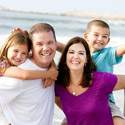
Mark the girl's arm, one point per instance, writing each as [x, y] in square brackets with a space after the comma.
[19, 73]
[120, 83]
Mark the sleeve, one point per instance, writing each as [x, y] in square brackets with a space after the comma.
[10, 88]
[112, 56]
[58, 90]
[110, 81]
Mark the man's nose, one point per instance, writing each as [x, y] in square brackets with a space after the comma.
[45, 47]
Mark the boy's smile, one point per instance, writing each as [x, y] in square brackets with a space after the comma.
[97, 38]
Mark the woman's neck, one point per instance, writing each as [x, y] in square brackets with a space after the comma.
[75, 77]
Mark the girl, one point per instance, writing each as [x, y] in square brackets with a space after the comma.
[14, 52]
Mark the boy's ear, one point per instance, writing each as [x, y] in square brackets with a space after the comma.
[86, 37]
[108, 40]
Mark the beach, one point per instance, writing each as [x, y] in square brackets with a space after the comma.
[66, 26]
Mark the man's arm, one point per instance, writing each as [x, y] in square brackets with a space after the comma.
[120, 50]
[60, 47]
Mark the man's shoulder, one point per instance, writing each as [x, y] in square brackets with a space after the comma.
[26, 65]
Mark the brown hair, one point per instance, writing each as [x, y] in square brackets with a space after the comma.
[15, 38]
[100, 23]
[64, 77]
[41, 27]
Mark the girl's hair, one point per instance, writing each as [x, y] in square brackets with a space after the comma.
[15, 38]
[64, 76]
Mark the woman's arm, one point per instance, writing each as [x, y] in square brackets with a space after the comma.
[58, 102]
[120, 83]
[19, 73]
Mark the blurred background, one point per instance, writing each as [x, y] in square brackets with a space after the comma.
[69, 18]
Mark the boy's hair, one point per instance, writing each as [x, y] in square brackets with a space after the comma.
[15, 38]
[40, 27]
[64, 75]
[100, 23]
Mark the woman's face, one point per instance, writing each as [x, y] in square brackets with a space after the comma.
[76, 57]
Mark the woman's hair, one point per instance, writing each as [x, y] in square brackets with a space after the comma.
[64, 76]
[15, 38]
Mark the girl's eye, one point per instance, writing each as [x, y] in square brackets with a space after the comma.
[95, 35]
[70, 52]
[16, 51]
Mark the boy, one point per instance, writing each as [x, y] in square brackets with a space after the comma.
[98, 36]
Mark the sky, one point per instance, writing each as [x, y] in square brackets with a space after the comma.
[64, 6]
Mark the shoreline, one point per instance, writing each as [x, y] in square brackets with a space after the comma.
[73, 14]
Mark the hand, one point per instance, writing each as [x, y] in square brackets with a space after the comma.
[53, 73]
[48, 82]
[23, 31]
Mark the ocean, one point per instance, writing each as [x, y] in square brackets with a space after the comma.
[65, 27]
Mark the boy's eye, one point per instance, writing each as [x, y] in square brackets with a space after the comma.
[105, 36]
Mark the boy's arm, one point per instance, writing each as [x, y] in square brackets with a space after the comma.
[120, 50]
[19, 73]
[60, 47]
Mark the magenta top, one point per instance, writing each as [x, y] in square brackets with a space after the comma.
[91, 107]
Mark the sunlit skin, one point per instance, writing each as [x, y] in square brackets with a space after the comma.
[97, 38]
[43, 49]
[76, 57]
[17, 54]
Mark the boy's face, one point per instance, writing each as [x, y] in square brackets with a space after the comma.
[97, 38]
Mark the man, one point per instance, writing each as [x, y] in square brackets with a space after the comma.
[27, 102]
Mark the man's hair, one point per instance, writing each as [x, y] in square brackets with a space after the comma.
[40, 27]
[100, 23]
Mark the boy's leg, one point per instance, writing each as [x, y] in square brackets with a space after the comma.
[118, 117]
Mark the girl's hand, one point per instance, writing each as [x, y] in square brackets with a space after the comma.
[52, 73]
[48, 82]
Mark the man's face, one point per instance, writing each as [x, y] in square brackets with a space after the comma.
[44, 48]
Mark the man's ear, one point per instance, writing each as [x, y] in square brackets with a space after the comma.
[86, 37]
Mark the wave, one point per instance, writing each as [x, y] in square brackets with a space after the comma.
[72, 14]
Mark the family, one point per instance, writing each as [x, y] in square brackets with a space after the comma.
[84, 79]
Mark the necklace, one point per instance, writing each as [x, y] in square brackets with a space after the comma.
[74, 93]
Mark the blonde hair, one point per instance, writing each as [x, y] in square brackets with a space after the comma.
[15, 38]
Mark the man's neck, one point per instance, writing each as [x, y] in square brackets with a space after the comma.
[39, 65]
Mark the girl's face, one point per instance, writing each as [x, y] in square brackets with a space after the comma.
[76, 57]
[17, 54]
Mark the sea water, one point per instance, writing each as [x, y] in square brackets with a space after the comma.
[65, 28]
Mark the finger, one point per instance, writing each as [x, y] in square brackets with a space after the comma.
[46, 83]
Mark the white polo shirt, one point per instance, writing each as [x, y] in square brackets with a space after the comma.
[26, 102]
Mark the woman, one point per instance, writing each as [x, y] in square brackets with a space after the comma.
[80, 87]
